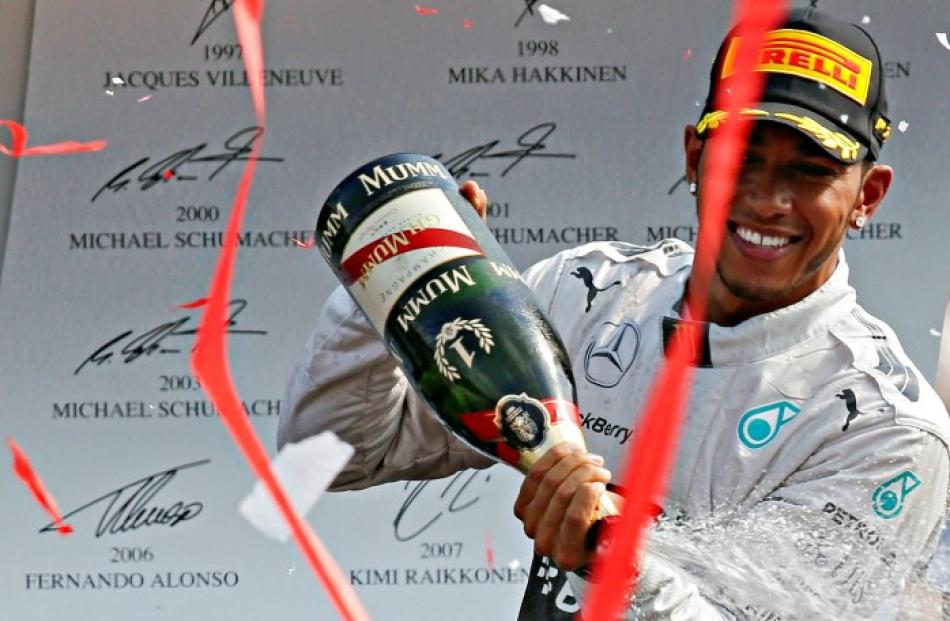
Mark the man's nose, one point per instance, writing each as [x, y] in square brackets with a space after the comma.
[767, 191]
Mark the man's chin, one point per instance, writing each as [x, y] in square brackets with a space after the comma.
[756, 293]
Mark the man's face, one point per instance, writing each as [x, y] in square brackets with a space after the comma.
[792, 206]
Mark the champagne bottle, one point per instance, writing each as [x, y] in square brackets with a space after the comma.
[451, 308]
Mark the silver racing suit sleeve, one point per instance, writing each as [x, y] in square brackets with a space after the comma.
[833, 542]
[348, 383]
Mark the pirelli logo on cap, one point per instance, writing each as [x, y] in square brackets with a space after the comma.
[812, 56]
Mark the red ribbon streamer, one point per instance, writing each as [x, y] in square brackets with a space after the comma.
[23, 469]
[247, 21]
[209, 358]
[194, 304]
[306, 246]
[20, 136]
[647, 465]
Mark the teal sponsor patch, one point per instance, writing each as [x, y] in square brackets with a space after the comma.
[888, 498]
[759, 426]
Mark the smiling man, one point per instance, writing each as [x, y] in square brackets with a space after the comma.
[793, 204]
[812, 472]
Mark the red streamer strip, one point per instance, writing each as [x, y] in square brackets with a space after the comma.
[247, 21]
[209, 358]
[194, 304]
[647, 465]
[20, 136]
[306, 246]
[421, 10]
[23, 469]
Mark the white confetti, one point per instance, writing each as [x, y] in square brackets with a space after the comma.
[146, 98]
[942, 37]
[291, 570]
[610, 31]
[844, 118]
[109, 93]
[515, 564]
[305, 470]
[902, 126]
[117, 80]
[866, 19]
[934, 332]
[551, 16]
[698, 104]
[822, 86]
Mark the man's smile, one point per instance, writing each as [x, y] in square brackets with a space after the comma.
[762, 243]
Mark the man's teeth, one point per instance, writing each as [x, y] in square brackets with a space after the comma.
[761, 240]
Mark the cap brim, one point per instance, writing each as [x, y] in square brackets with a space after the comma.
[840, 145]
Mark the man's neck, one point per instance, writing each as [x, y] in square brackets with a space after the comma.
[726, 309]
[723, 310]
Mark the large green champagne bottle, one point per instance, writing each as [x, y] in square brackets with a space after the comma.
[451, 308]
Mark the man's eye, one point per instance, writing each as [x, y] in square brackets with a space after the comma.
[814, 170]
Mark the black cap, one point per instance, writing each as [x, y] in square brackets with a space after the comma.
[824, 79]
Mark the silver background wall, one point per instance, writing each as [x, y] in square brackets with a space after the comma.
[16, 26]
[395, 80]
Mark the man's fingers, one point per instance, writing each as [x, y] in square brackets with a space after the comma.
[563, 504]
[477, 197]
[537, 473]
[541, 469]
[570, 551]
[545, 489]
[553, 484]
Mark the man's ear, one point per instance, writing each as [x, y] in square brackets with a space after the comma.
[874, 185]
[693, 148]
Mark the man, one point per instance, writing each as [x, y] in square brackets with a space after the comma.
[812, 470]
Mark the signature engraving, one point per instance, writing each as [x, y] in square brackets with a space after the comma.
[133, 505]
[236, 149]
[528, 10]
[531, 145]
[153, 341]
[676, 184]
[425, 504]
[216, 9]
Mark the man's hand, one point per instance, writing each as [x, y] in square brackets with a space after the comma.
[558, 503]
[477, 197]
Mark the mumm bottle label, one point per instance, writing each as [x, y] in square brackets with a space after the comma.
[401, 242]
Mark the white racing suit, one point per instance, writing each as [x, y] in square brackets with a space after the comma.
[812, 467]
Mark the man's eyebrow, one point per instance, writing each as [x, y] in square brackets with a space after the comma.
[805, 147]
[810, 148]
